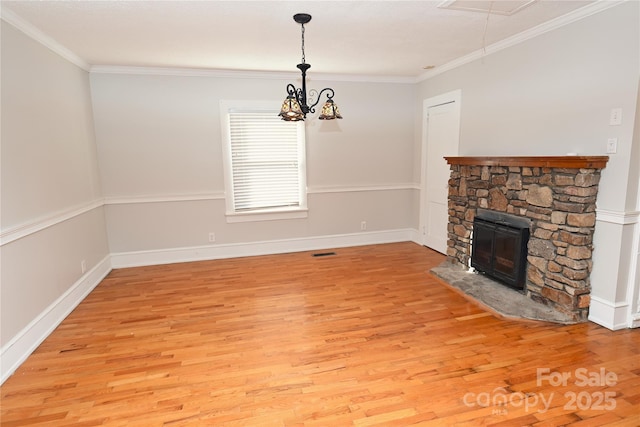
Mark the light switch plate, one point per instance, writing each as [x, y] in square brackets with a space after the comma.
[615, 118]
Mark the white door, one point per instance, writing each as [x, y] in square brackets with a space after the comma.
[441, 136]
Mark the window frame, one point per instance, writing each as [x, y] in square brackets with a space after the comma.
[262, 214]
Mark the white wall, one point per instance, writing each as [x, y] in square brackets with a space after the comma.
[552, 95]
[51, 212]
[160, 150]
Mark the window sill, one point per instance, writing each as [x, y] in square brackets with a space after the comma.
[267, 215]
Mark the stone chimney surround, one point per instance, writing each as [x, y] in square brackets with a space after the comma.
[558, 194]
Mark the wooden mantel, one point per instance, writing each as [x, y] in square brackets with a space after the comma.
[572, 162]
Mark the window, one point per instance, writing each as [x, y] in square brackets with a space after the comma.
[264, 163]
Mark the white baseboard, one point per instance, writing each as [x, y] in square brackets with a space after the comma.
[234, 250]
[16, 351]
[608, 314]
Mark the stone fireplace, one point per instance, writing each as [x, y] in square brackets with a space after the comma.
[557, 195]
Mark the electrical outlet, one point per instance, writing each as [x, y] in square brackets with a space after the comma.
[83, 266]
[212, 237]
[363, 225]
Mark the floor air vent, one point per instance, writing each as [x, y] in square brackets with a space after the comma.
[323, 254]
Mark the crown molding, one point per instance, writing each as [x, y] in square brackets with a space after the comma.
[31, 31]
[551, 25]
[191, 72]
[244, 74]
[362, 78]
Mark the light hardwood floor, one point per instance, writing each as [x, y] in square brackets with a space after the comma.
[364, 337]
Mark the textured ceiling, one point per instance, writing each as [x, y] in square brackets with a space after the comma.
[375, 38]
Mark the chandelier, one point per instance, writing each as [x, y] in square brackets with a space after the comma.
[295, 106]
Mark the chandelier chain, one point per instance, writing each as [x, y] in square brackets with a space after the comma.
[303, 57]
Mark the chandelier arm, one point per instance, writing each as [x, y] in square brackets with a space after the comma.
[312, 95]
[298, 95]
[330, 94]
[291, 90]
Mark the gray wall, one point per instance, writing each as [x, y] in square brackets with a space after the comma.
[52, 216]
[159, 139]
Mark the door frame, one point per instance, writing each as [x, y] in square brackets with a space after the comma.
[455, 97]
[633, 287]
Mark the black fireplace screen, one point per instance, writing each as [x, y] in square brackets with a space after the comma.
[500, 247]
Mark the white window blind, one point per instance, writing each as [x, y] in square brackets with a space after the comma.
[265, 162]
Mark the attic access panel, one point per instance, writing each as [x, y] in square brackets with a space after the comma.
[504, 7]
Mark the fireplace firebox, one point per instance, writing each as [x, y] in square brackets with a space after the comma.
[499, 247]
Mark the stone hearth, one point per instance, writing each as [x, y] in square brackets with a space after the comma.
[500, 299]
[558, 195]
